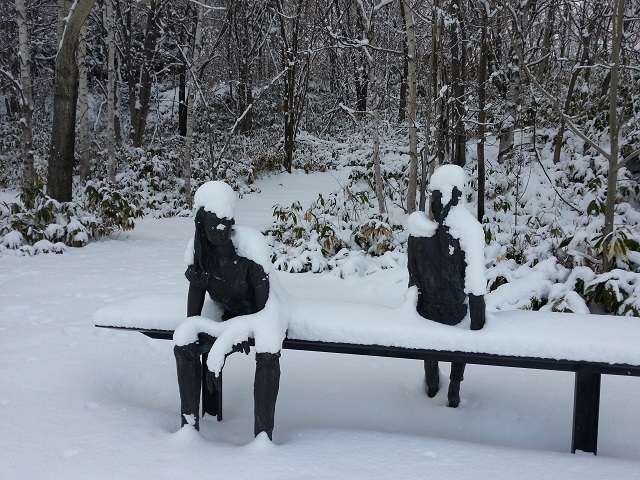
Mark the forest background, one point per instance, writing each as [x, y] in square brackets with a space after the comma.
[115, 109]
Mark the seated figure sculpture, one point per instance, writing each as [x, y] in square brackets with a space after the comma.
[446, 263]
[241, 287]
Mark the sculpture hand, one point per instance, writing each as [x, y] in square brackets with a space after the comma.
[214, 382]
[243, 346]
[477, 311]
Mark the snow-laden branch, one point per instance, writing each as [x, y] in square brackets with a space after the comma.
[207, 7]
[381, 5]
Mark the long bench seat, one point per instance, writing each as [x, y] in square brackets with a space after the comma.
[589, 345]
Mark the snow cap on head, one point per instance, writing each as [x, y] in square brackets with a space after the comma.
[216, 197]
[445, 178]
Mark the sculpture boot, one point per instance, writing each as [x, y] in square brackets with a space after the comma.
[189, 369]
[265, 392]
[432, 377]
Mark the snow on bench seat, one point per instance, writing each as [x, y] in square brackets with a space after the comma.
[589, 345]
[575, 337]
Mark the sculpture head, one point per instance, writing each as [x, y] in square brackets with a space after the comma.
[216, 230]
[214, 224]
[215, 202]
[446, 187]
[439, 210]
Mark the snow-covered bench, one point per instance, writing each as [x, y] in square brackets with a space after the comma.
[589, 345]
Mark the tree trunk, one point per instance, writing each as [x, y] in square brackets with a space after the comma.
[402, 103]
[26, 100]
[377, 171]
[191, 105]
[290, 64]
[141, 101]
[482, 112]
[83, 106]
[508, 127]
[546, 38]
[63, 10]
[111, 100]
[457, 68]
[61, 153]
[411, 113]
[436, 79]
[612, 179]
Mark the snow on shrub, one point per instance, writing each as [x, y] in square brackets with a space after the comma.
[40, 224]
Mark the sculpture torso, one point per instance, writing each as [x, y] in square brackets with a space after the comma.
[232, 283]
[437, 267]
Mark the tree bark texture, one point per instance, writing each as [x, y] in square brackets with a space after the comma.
[140, 87]
[62, 148]
[412, 106]
[111, 94]
[26, 100]
[191, 105]
[83, 106]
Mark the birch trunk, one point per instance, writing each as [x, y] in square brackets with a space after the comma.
[26, 101]
[83, 106]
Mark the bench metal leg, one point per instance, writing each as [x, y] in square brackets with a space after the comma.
[211, 401]
[586, 410]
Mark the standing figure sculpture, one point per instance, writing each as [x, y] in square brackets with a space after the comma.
[446, 263]
[241, 287]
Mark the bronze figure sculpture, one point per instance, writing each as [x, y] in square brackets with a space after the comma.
[438, 267]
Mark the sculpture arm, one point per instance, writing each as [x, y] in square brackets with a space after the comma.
[411, 260]
[195, 300]
[261, 288]
[477, 311]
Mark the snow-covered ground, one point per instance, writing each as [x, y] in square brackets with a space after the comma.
[79, 402]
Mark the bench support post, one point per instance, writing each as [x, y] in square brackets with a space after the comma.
[211, 401]
[586, 410]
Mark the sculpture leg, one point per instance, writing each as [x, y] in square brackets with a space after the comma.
[457, 375]
[265, 391]
[189, 369]
[432, 377]
[211, 392]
